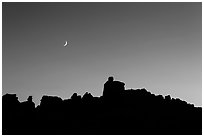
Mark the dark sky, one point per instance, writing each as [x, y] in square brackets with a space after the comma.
[152, 45]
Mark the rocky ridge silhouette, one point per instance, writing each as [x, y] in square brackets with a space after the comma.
[117, 111]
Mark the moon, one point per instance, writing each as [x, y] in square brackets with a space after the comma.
[65, 44]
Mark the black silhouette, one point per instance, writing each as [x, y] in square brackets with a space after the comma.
[118, 111]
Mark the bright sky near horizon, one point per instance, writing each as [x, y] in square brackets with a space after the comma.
[153, 45]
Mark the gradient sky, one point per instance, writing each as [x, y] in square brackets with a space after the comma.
[153, 45]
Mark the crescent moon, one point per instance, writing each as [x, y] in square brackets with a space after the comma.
[65, 44]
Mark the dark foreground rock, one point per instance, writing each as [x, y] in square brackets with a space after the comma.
[117, 112]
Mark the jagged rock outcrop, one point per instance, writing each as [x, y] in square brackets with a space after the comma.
[118, 111]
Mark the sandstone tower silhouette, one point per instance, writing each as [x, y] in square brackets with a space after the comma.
[113, 89]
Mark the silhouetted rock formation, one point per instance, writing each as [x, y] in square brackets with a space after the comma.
[118, 111]
[113, 90]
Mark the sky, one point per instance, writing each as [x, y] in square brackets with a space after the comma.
[157, 46]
